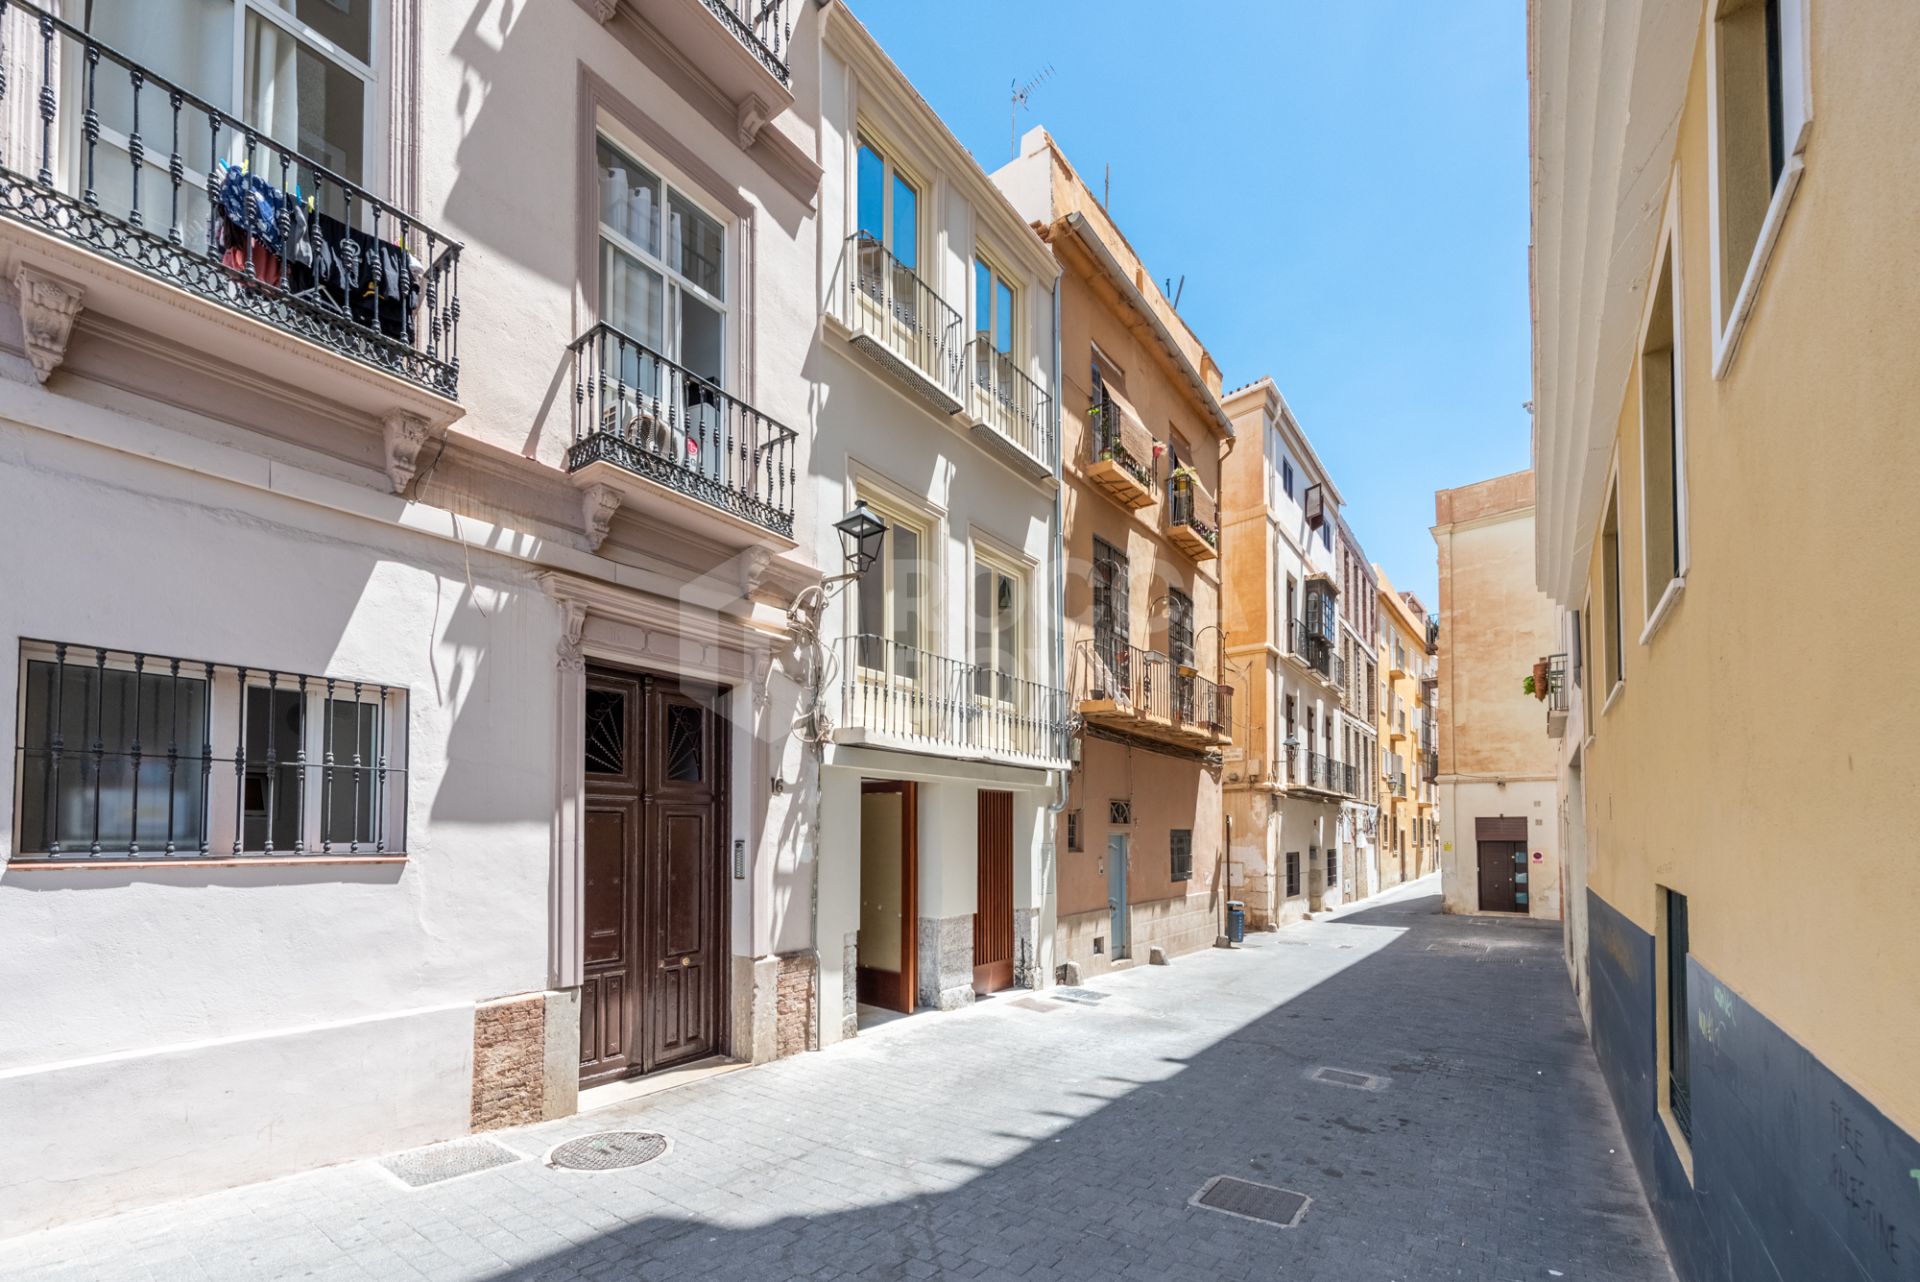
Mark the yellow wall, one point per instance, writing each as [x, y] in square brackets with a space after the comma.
[1755, 757]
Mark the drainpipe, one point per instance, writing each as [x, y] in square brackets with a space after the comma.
[1057, 589]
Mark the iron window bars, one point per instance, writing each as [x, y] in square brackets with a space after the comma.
[233, 216]
[647, 415]
[1117, 437]
[1180, 847]
[119, 755]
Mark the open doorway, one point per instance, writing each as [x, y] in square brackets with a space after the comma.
[889, 893]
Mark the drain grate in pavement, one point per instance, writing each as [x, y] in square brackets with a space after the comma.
[1249, 1201]
[420, 1167]
[1349, 1079]
[1035, 1003]
[1086, 996]
[608, 1151]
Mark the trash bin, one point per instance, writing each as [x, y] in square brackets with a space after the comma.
[1236, 921]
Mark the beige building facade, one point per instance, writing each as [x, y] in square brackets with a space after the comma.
[1725, 322]
[1407, 727]
[1143, 435]
[1499, 844]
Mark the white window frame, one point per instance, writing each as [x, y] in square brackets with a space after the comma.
[1614, 636]
[673, 183]
[998, 563]
[1667, 262]
[1796, 112]
[897, 514]
[891, 168]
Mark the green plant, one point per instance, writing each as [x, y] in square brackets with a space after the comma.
[1527, 685]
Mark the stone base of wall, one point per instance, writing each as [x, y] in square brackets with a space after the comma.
[526, 1060]
[849, 988]
[1026, 948]
[793, 1004]
[945, 954]
[1176, 926]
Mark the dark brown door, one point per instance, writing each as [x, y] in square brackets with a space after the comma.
[993, 915]
[654, 988]
[1501, 844]
[887, 973]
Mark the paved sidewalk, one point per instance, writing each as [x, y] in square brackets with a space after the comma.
[1060, 1142]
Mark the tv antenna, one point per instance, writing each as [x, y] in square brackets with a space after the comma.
[1020, 95]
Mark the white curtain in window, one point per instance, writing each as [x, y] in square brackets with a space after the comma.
[272, 81]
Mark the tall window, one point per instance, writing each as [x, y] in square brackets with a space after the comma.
[298, 71]
[1610, 572]
[1679, 1065]
[997, 602]
[1293, 874]
[889, 600]
[128, 755]
[663, 278]
[1286, 477]
[1109, 596]
[992, 316]
[1752, 121]
[889, 206]
[1662, 458]
[1180, 627]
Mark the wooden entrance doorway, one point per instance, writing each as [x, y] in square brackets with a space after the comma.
[654, 990]
[1501, 845]
[993, 912]
[889, 893]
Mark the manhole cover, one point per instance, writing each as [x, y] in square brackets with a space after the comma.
[423, 1166]
[608, 1151]
[1084, 995]
[1250, 1201]
[1349, 1079]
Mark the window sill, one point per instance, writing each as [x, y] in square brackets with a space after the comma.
[1726, 338]
[1663, 607]
[106, 863]
[1682, 1149]
[1613, 695]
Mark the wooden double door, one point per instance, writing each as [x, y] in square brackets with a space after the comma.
[654, 990]
[1501, 847]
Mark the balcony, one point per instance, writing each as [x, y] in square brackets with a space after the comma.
[1559, 695]
[1202, 707]
[129, 180]
[740, 46]
[1397, 784]
[1122, 459]
[1315, 654]
[1193, 519]
[898, 322]
[1012, 415]
[1319, 773]
[1141, 693]
[667, 441]
[905, 699]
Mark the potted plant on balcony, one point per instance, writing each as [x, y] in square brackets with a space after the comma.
[1528, 685]
[1540, 679]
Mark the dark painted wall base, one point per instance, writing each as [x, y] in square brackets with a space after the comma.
[1797, 1178]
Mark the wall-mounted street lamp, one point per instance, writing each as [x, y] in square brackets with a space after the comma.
[861, 536]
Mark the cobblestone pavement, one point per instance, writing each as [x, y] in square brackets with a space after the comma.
[1059, 1142]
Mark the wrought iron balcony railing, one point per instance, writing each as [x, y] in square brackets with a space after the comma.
[124, 162]
[1316, 651]
[763, 26]
[1321, 772]
[1139, 682]
[1010, 403]
[1558, 687]
[1119, 438]
[936, 704]
[1206, 705]
[1190, 507]
[636, 409]
[891, 308]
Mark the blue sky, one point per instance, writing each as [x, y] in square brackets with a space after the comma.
[1344, 187]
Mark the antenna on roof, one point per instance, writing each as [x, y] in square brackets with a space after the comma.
[1181, 289]
[1020, 95]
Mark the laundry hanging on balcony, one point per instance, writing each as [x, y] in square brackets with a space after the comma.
[248, 223]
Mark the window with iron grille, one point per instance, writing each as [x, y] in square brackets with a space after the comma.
[1109, 593]
[1073, 830]
[1293, 874]
[1180, 626]
[124, 755]
[1120, 813]
[1180, 842]
[1679, 1058]
[1333, 866]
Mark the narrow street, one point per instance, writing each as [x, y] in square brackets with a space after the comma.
[1040, 1138]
